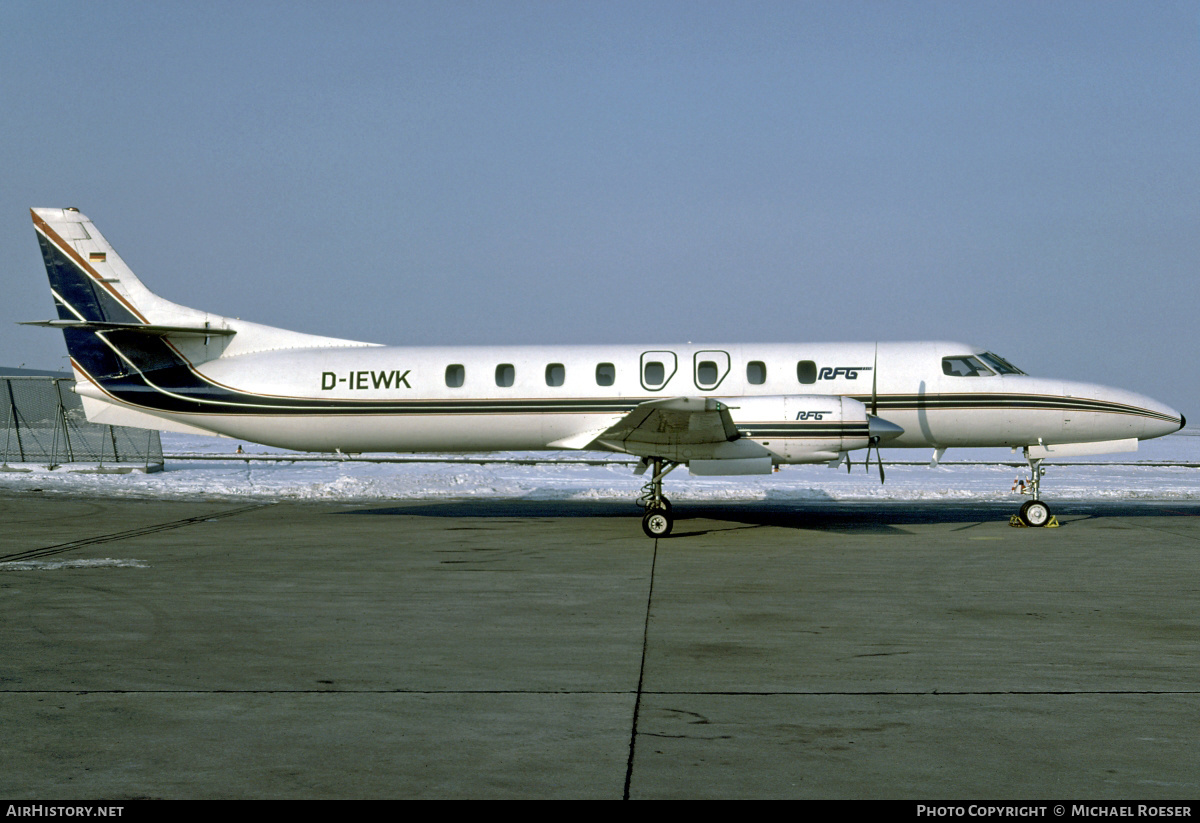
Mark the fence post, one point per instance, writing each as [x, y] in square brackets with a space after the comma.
[16, 424]
[8, 433]
[62, 415]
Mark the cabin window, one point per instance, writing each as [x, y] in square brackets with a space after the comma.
[707, 373]
[654, 373]
[606, 374]
[506, 375]
[556, 374]
[965, 366]
[806, 371]
[756, 372]
[455, 376]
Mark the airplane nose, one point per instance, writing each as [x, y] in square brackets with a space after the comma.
[1117, 414]
[1160, 420]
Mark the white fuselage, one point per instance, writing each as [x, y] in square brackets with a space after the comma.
[537, 397]
[142, 360]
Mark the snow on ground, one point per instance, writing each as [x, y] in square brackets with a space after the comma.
[1100, 478]
[52, 565]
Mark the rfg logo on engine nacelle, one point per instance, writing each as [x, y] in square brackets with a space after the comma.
[812, 415]
[849, 372]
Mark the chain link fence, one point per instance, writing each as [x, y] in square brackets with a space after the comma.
[44, 423]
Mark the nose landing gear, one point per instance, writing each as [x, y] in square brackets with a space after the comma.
[1034, 512]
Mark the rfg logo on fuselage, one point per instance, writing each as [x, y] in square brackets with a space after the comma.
[848, 372]
[812, 415]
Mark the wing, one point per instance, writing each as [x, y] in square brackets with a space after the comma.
[671, 422]
[694, 430]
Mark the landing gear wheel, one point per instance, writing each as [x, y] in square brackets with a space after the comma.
[657, 523]
[1034, 513]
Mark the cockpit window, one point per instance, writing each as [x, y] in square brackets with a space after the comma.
[998, 363]
[965, 366]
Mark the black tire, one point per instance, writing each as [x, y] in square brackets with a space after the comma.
[657, 523]
[1035, 513]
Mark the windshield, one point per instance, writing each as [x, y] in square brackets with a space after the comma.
[998, 363]
[964, 366]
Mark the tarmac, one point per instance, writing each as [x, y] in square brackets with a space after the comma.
[502, 649]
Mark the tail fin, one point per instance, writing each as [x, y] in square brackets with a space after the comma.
[90, 280]
[120, 335]
[94, 291]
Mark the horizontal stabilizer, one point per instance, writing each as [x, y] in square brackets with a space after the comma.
[144, 328]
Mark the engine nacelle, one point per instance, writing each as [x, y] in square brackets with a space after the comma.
[807, 428]
[769, 431]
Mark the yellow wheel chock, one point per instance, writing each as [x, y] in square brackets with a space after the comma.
[1016, 522]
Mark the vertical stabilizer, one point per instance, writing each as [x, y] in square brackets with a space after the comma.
[110, 309]
[91, 282]
[113, 324]
[129, 347]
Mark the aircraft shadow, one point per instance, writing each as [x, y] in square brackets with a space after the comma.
[699, 517]
[778, 510]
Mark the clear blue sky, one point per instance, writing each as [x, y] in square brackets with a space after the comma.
[1025, 176]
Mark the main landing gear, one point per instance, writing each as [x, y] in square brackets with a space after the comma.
[1034, 512]
[657, 521]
